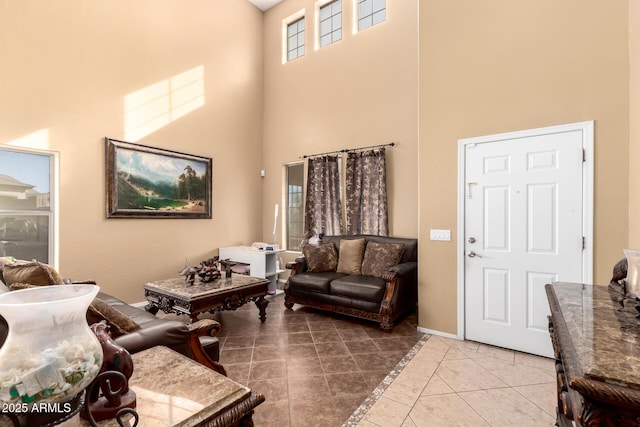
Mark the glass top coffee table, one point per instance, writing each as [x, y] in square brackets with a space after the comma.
[177, 296]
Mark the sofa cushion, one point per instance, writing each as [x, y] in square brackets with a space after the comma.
[351, 254]
[118, 322]
[360, 287]
[378, 257]
[34, 273]
[314, 282]
[320, 258]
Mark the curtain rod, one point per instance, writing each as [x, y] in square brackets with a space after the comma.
[348, 150]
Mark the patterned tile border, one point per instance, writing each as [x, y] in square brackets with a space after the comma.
[362, 410]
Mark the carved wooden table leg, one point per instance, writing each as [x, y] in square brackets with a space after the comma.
[262, 304]
[193, 317]
[152, 308]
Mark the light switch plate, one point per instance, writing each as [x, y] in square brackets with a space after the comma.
[440, 235]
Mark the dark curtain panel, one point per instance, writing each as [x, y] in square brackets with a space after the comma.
[323, 209]
[366, 193]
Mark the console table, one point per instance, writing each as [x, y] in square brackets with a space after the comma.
[597, 349]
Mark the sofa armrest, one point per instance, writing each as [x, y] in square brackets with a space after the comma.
[403, 269]
[401, 294]
[297, 266]
[79, 282]
[204, 328]
[169, 333]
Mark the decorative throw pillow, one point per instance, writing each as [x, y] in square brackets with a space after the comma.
[320, 258]
[120, 323]
[378, 257]
[34, 273]
[351, 254]
[19, 286]
[8, 260]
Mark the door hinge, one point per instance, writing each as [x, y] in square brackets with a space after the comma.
[584, 243]
[584, 155]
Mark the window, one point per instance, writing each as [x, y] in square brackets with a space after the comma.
[330, 23]
[27, 205]
[370, 13]
[295, 207]
[295, 39]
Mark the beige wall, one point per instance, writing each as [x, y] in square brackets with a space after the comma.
[453, 69]
[66, 67]
[634, 123]
[360, 91]
[498, 66]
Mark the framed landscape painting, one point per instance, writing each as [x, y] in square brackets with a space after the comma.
[148, 182]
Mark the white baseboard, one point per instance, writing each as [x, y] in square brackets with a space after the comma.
[439, 334]
[141, 304]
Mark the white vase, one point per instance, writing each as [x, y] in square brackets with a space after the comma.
[633, 272]
[50, 354]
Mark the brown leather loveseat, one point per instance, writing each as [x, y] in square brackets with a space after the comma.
[370, 277]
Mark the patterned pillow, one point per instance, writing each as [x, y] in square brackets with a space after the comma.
[34, 273]
[378, 257]
[351, 253]
[320, 258]
[119, 323]
[19, 286]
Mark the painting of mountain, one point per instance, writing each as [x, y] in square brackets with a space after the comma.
[144, 181]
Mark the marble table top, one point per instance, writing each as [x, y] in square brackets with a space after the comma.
[173, 390]
[606, 336]
[181, 289]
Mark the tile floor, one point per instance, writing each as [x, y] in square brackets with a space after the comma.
[454, 383]
[314, 368]
[320, 369]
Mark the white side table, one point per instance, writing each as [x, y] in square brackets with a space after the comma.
[262, 263]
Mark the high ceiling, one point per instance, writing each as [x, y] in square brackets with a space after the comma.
[265, 4]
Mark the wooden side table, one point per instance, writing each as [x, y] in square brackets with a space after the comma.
[173, 390]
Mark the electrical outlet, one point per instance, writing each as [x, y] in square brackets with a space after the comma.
[440, 235]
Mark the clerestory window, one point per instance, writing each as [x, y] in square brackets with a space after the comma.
[330, 23]
[370, 13]
[295, 39]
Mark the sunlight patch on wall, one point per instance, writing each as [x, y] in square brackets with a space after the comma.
[38, 140]
[155, 106]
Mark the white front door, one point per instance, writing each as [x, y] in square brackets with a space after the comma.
[523, 228]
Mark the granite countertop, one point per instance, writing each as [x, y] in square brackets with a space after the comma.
[181, 289]
[173, 390]
[606, 336]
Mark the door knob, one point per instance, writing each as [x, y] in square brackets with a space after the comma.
[472, 254]
[472, 240]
